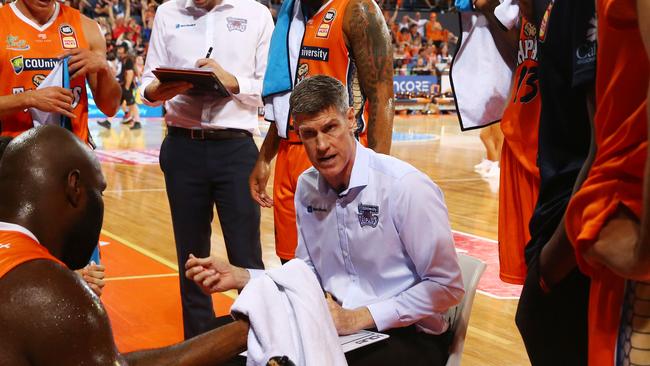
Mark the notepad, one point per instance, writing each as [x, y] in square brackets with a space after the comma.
[203, 80]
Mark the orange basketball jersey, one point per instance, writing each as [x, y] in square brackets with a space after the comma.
[618, 309]
[28, 55]
[324, 52]
[17, 248]
[519, 173]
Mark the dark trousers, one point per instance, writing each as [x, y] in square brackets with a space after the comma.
[554, 325]
[200, 174]
[406, 346]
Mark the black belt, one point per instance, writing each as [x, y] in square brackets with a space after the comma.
[208, 134]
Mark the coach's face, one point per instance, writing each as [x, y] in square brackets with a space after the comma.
[328, 138]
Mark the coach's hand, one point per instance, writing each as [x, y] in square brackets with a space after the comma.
[94, 275]
[157, 91]
[349, 321]
[84, 61]
[215, 275]
[51, 99]
[227, 79]
[257, 183]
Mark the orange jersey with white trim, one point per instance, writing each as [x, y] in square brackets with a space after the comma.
[520, 121]
[29, 52]
[17, 248]
[618, 315]
[324, 52]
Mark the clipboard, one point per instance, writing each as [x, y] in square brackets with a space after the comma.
[202, 79]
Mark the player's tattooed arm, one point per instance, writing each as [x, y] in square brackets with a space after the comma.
[368, 40]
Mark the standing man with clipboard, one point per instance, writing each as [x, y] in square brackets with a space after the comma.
[209, 151]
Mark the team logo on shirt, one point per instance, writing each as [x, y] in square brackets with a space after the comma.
[529, 30]
[303, 70]
[329, 16]
[38, 79]
[323, 30]
[18, 63]
[368, 215]
[5, 246]
[16, 44]
[68, 37]
[18, 90]
[238, 24]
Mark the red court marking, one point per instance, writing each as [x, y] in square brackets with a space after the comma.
[130, 157]
[144, 312]
[487, 251]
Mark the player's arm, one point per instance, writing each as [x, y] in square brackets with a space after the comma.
[368, 40]
[93, 64]
[262, 171]
[60, 322]
[51, 99]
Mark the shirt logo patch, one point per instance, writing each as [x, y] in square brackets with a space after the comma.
[312, 209]
[315, 53]
[329, 16]
[20, 64]
[303, 70]
[5, 246]
[16, 44]
[368, 215]
[68, 37]
[185, 25]
[323, 31]
[237, 24]
[38, 79]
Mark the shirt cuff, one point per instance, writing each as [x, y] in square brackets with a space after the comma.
[254, 273]
[385, 314]
[147, 101]
[245, 86]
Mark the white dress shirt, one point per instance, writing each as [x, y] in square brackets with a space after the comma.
[385, 242]
[239, 31]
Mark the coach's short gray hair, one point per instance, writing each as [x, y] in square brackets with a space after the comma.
[318, 93]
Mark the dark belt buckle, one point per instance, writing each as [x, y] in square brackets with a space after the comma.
[197, 134]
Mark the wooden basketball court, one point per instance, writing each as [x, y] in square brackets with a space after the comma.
[142, 296]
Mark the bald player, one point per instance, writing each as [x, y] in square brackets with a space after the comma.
[49, 225]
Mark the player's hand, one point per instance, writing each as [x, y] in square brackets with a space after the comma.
[257, 183]
[157, 91]
[84, 61]
[212, 274]
[227, 79]
[94, 275]
[51, 99]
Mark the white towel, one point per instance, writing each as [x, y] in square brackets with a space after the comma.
[507, 13]
[289, 316]
[481, 72]
[54, 78]
[276, 108]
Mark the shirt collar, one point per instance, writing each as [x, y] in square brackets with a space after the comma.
[358, 176]
[189, 5]
[7, 226]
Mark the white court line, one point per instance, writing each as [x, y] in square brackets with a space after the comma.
[135, 190]
[497, 297]
[474, 236]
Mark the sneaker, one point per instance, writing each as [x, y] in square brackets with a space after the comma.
[484, 165]
[105, 123]
[136, 125]
[493, 172]
[127, 119]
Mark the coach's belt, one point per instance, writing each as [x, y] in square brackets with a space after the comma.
[208, 134]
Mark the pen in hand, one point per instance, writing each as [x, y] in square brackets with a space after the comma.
[209, 53]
